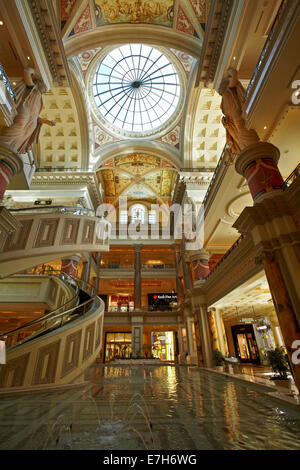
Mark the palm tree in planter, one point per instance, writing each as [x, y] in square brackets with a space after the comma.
[278, 362]
[218, 360]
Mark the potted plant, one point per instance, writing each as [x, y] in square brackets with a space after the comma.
[219, 365]
[278, 362]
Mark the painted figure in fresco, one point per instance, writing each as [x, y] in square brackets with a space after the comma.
[233, 93]
[27, 124]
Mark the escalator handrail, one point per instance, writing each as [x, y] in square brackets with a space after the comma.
[50, 315]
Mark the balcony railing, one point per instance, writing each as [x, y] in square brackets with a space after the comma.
[265, 48]
[236, 243]
[292, 177]
[5, 80]
[147, 267]
[55, 210]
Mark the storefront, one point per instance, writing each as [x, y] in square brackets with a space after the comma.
[163, 345]
[245, 343]
[117, 346]
[162, 302]
[121, 303]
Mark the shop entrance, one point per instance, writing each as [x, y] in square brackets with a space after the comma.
[163, 345]
[117, 346]
[245, 343]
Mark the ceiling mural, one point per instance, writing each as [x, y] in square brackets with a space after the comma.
[130, 11]
[186, 16]
[137, 176]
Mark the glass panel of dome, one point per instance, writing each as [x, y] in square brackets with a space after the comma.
[136, 88]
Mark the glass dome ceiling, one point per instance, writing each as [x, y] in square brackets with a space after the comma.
[136, 88]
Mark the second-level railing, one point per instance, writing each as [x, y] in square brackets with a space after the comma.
[143, 266]
[75, 210]
[236, 243]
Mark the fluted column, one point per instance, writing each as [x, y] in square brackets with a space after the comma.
[10, 165]
[137, 277]
[69, 265]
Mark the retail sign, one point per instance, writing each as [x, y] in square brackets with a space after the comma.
[2, 352]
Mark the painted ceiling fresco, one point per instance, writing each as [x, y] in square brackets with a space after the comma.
[186, 16]
[131, 11]
[137, 176]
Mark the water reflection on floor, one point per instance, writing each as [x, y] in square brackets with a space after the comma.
[152, 407]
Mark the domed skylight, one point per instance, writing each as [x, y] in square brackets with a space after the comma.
[136, 88]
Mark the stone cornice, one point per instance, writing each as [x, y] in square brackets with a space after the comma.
[216, 26]
[70, 179]
[49, 33]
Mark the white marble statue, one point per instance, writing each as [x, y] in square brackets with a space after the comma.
[27, 124]
[232, 91]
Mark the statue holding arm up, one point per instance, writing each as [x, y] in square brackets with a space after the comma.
[27, 124]
[238, 136]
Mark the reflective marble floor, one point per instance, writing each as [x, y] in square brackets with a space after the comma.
[149, 407]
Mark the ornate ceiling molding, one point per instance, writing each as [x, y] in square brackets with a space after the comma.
[216, 27]
[130, 33]
[70, 179]
[46, 22]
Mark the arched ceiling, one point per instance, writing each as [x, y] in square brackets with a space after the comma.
[137, 176]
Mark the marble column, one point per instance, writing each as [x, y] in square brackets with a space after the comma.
[185, 268]
[85, 275]
[137, 277]
[220, 332]
[137, 336]
[69, 265]
[10, 165]
[98, 261]
[213, 330]
[271, 225]
[178, 281]
[207, 350]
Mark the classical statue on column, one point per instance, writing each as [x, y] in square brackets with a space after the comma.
[232, 92]
[27, 124]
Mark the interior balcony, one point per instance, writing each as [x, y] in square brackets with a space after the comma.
[44, 234]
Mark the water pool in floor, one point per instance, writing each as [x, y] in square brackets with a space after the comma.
[149, 407]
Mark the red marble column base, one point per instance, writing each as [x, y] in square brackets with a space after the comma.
[258, 164]
[200, 262]
[70, 265]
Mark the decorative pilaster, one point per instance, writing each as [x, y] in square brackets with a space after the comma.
[137, 277]
[70, 265]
